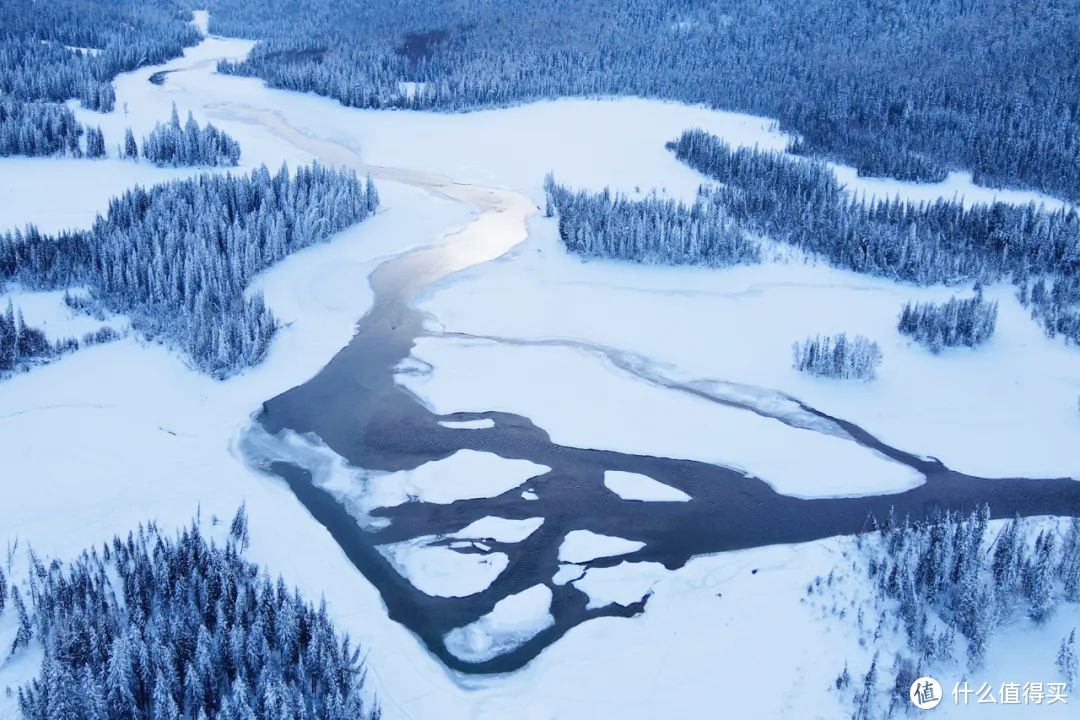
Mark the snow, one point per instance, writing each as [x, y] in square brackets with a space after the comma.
[201, 20]
[567, 572]
[504, 530]
[620, 584]
[440, 568]
[513, 621]
[581, 546]
[465, 475]
[1005, 409]
[442, 571]
[583, 401]
[46, 311]
[635, 486]
[148, 438]
[64, 193]
[481, 424]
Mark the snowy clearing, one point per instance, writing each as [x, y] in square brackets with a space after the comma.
[1005, 409]
[46, 310]
[635, 486]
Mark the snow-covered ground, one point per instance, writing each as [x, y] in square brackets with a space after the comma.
[117, 434]
[1008, 408]
[47, 311]
[582, 401]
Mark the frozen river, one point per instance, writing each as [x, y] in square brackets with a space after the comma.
[355, 407]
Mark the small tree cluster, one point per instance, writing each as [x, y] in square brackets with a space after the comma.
[170, 144]
[838, 357]
[954, 323]
[21, 344]
[167, 628]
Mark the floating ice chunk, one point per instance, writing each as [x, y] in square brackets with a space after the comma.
[512, 622]
[442, 571]
[584, 545]
[634, 486]
[500, 529]
[567, 573]
[465, 475]
[481, 424]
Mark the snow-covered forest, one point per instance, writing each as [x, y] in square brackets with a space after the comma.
[173, 144]
[59, 50]
[177, 258]
[946, 585]
[41, 128]
[917, 90]
[163, 627]
[942, 242]
[650, 230]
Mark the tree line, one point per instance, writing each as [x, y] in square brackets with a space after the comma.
[179, 628]
[177, 258]
[801, 202]
[40, 128]
[909, 88]
[649, 230]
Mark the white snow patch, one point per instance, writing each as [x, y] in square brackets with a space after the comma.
[505, 530]
[481, 424]
[622, 584]
[566, 573]
[47, 311]
[584, 545]
[582, 400]
[441, 571]
[635, 486]
[64, 193]
[465, 475]
[513, 621]
[529, 495]
[201, 20]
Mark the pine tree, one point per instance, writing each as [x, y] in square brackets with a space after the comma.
[131, 149]
[95, 143]
[1066, 658]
